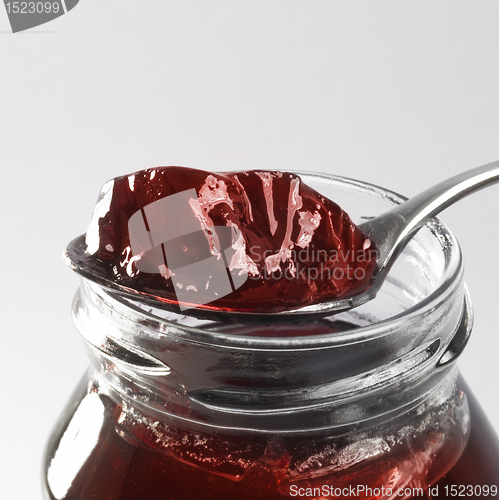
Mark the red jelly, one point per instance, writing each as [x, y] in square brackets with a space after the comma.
[134, 458]
[237, 241]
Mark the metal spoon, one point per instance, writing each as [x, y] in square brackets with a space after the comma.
[391, 232]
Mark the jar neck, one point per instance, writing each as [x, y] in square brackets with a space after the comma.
[200, 376]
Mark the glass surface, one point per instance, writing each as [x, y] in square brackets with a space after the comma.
[368, 401]
[104, 451]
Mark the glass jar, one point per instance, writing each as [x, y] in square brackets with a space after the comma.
[364, 404]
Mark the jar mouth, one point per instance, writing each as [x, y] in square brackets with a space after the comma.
[434, 249]
[387, 356]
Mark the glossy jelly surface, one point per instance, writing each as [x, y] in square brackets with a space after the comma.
[241, 241]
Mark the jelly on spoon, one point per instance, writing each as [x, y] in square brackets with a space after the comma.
[252, 243]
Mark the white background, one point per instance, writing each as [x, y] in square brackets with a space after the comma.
[400, 94]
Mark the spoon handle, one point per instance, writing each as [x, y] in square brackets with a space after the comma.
[394, 229]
